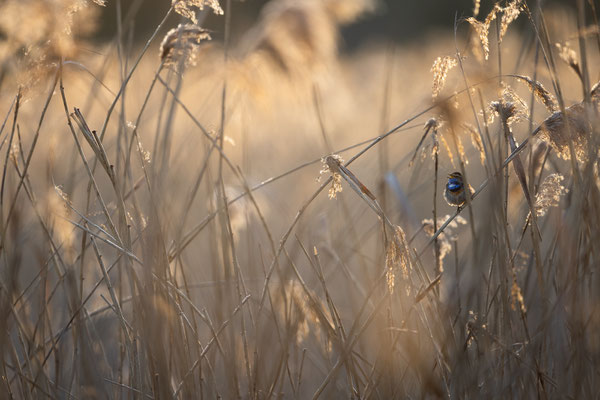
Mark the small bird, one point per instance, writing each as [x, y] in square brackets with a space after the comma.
[455, 190]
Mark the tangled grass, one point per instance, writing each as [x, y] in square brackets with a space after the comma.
[163, 236]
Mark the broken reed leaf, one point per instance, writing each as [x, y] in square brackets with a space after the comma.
[101, 3]
[431, 124]
[540, 92]
[335, 165]
[568, 55]
[362, 188]
[549, 194]
[180, 45]
[440, 69]
[94, 141]
[421, 295]
[185, 8]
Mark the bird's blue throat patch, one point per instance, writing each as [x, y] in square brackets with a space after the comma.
[454, 185]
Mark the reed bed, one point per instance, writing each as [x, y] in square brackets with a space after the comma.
[183, 217]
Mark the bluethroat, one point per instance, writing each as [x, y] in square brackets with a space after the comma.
[455, 192]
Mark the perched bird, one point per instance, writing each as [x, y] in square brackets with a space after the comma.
[455, 193]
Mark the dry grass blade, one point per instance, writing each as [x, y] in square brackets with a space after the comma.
[336, 167]
[149, 277]
[96, 145]
[421, 295]
[431, 124]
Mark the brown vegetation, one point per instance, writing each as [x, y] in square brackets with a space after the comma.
[165, 231]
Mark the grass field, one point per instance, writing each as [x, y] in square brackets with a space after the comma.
[183, 217]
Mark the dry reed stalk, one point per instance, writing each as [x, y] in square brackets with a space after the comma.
[432, 345]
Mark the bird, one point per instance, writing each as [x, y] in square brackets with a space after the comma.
[455, 190]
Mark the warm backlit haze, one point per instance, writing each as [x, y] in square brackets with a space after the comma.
[215, 198]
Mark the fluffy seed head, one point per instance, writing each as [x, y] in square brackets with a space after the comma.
[180, 45]
[329, 167]
[509, 14]
[540, 93]
[551, 190]
[440, 69]
[397, 258]
[449, 235]
[559, 131]
[186, 8]
[568, 55]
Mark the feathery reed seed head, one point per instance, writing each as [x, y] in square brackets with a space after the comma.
[509, 14]
[397, 258]
[440, 69]
[330, 167]
[568, 55]
[540, 93]
[445, 238]
[476, 140]
[185, 8]
[549, 194]
[559, 131]
[180, 45]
